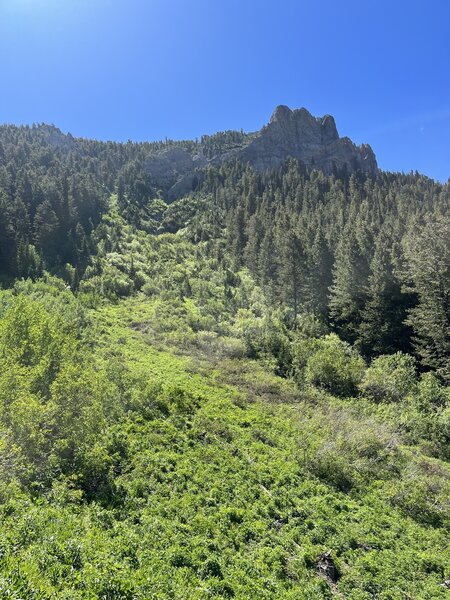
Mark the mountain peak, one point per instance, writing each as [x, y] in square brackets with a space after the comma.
[314, 141]
[281, 114]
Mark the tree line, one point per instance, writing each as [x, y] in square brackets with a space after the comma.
[368, 257]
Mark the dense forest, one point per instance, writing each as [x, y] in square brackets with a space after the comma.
[238, 392]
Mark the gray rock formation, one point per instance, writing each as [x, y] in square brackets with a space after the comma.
[175, 170]
[169, 166]
[312, 140]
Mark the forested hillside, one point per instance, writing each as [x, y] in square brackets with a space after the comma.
[366, 255]
[220, 382]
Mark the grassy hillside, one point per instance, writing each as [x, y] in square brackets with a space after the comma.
[168, 463]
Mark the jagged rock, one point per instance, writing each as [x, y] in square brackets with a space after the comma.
[170, 166]
[182, 187]
[55, 137]
[312, 140]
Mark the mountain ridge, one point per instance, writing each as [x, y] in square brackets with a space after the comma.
[174, 165]
[314, 141]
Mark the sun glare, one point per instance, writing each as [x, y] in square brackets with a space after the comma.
[34, 6]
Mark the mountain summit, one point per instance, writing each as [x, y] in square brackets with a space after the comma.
[312, 140]
[174, 167]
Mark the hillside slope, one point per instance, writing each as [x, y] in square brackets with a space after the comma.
[146, 455]
[242, 392]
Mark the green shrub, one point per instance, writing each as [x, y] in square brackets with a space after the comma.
[356, 452]
[264, 337]
[330, 364]
[443, 430]
[426, 417]
[431, 395]
[423, 493]
[310, 326]
[302, 350]
[213, 345]
[390, 378]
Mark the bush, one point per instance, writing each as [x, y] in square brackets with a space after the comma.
[431, 395]
[390, 378]
[328, 363]
[443, 431]
[212, 345]
[355, 452]
[264, 337]
[310, 326]
[426, 417]
[423, 493]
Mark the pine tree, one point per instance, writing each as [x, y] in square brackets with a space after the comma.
[292, 270]
[348, 292]
[236, 234]
[383, 329]
[428, 254]
[268, 266]
[320, 262]
[28, 261]
[7, 238]
[46, 232]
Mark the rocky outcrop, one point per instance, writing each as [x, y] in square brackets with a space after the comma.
[174, 170]
[312, 140]
[169, 166]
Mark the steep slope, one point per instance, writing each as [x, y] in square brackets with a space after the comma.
[312, 140]
[204, 476]
[172, 165]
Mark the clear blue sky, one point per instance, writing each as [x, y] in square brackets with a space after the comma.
[146, 69]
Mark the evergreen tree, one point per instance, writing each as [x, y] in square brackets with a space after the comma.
[28, 261]
[236, 233]
[383, 329]
[46, 232]
[428, 254]
[7, 239]
[320, 262]
[292, 270]
[348, 292]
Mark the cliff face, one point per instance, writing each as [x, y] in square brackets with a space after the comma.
[174, 167]
[312, 140]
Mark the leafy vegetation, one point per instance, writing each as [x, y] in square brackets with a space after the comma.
[242, 393]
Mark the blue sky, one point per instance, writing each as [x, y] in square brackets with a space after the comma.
[147, 69]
